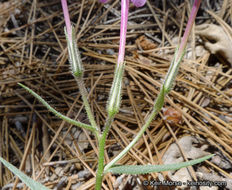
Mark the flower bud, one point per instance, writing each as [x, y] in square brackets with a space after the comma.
[172, 71]
[74, 55]
[115, 92]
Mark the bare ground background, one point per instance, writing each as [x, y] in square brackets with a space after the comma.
[199, 117]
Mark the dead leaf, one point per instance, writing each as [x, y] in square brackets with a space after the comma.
[218, 41]
[144, 43]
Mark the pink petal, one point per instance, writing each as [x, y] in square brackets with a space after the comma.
[138, 3]
[103, 1]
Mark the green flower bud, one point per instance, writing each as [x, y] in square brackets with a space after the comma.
[115, 92]
[74, 55]
[172, 72]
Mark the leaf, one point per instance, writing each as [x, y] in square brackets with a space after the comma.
[140, 169]
[145, 43]
[58, 114]
[34, 185]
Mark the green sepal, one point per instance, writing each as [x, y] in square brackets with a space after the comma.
[159, 102]
[114, 101]
[74, 54]
[172, 71]
[140, 169]
[32, 184]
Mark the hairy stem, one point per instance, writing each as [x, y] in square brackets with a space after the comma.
[101, 147]
[157, 107]
[84, 96]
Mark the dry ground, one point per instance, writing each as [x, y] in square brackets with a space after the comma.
[33, 52]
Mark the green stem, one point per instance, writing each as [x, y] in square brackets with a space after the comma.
[102, 140]
[157, 107]
[84, 96]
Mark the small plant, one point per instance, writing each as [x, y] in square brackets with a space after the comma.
[114, 100]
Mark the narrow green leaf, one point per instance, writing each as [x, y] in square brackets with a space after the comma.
[140, 169]
[58, 114]
[34, 185]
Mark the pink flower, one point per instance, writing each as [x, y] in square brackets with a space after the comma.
[103, 1]
[137, 3]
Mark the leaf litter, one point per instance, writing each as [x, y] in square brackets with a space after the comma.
[33, 52]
